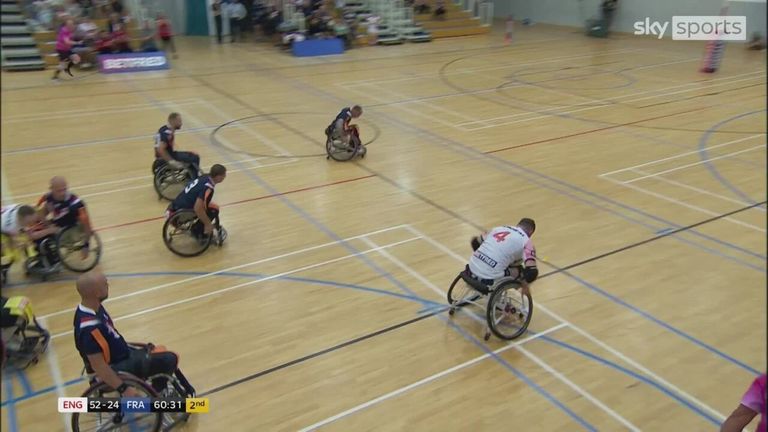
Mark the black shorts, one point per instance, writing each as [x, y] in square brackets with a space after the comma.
[64, 55]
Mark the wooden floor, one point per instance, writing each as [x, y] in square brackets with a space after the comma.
[323, 310]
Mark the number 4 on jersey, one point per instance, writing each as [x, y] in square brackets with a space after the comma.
[500, 236]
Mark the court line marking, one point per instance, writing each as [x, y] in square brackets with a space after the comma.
[282, 151]
[99, 112]
[428, 379]
[244, 284]
[55, 369]
[553, 111]
[424, 102]
[48, 114]
[700, 190]
[583, 332]
[679, 155]
[236, 267]
[681, 167]
[685, 204]
[536, 359]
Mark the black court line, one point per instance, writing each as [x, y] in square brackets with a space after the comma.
[441, 310]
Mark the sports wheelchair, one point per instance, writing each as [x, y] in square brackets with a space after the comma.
[23, 338]
[170, 181]
[181, 238]
[337, 149]
[508, 311]
[176, 386]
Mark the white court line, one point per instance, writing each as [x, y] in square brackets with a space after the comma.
[249, 283]
[702, 191]
[55, 369]
[584, 333]
[554, 111]
[536, 359]
[682, 167]
[236, 267]
[98, 112]
[424, 102]
[406, 109]
[428, 379]
[484, 68]
[686, 205]
[677, 156]
[258, 135]
[49, 114]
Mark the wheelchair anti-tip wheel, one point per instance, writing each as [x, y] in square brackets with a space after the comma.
[509, 311]
[461, 293]
[169, 181]
[178, 234]
[341, 152]
[118, 421]
[70, 244]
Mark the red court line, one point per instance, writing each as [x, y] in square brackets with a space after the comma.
[593, 130]
[308, 188]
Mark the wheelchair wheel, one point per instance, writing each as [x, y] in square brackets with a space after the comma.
[70, 244]
[119, 421]
[509, 311]
[339, 151]
[169, 182]
[178, 236]
[460, 294]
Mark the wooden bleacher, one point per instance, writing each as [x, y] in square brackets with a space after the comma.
[454, 23]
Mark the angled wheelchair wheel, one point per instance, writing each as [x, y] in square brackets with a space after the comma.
[119, 421]
[70, 245]
[338, 150]
[509, 311]
[460, 294]
[169, 181]
[179, 237]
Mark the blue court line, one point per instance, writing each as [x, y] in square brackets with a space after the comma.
[327, 231]
[11, 408]
[439, 140]
[14, 400]
[703, 155]
[635, 375]
[660, 322]
[25, 384]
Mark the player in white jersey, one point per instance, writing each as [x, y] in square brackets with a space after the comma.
[505, 251]
[13, 219]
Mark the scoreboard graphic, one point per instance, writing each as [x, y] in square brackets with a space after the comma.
[133, 405]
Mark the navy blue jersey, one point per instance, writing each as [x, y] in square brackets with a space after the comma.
[164, 135]
[346, 115]
[64, 213]
[201, 187]
[95, 334]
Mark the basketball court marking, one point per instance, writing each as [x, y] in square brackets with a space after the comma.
[45, 115]
[441, 294]
[428, 379]
[281, 151]
[53, 366]
[80, 113]
[579, 330]
[236, 267]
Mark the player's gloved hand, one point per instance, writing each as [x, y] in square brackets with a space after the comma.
[175, 164]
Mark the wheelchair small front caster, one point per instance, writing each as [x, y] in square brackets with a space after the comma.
[487, 335]
[451, 311]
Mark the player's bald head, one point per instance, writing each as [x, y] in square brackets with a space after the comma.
[59, 187]
[58, 181]
[92, 286]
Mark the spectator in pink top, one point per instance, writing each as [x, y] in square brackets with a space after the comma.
[64, 44]
[752, 404]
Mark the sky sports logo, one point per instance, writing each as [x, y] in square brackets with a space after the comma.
[696, 28]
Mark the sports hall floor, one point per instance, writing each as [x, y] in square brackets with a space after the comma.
[325, 309]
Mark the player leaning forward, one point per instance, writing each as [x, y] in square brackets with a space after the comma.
[505, 251]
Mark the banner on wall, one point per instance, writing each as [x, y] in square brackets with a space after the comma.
[133, 62]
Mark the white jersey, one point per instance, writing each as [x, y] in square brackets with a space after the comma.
[501, 247]
[10, 220]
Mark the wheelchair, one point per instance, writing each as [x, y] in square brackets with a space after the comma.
[23, 338]
[508, 312]
[169, 181]
[180, 239]
[70, 242]
[40, 257]
[176, 387]
[340, 151]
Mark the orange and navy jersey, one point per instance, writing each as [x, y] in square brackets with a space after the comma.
[199, 188]
[65, 213]
[165, 135]
[95, 334]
